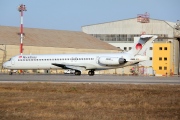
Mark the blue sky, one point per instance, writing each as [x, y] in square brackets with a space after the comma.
[71, 15]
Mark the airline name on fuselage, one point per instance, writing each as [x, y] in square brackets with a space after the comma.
[28, 57]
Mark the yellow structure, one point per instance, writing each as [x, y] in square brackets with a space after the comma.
[163, 58]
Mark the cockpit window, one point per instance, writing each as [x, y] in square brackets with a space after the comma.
[9, 59]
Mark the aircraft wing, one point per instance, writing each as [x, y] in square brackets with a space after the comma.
[73, 67]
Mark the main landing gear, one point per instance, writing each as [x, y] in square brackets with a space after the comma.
[77, 72]
[91, 73]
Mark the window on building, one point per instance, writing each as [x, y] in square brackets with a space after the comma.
[165, 68]
[150, 58]
[160, 48]
[150, 48]
[165, 48]
[165, 58]
[160, 58]
[160, 67]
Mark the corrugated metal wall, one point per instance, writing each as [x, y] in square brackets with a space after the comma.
[130, 26]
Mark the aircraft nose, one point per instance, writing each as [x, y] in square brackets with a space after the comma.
[5, 65]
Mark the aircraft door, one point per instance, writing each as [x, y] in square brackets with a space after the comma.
[12, 61]
[97, 59]
[74, 59]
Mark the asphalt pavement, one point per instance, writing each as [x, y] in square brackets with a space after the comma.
[70, 78]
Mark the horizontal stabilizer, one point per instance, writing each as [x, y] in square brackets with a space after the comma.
[146, 36]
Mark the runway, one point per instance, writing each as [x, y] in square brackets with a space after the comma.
[113, 79]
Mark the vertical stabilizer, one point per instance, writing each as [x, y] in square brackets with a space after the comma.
[140, 47]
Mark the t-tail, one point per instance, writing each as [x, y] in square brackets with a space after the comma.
[142, 45]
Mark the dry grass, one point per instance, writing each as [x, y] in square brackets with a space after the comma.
[46, 101]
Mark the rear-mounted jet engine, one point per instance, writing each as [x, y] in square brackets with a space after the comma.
[111, 60]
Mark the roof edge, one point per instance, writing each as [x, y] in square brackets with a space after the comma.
[122, 20]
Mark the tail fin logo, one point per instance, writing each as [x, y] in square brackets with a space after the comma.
[138, 46]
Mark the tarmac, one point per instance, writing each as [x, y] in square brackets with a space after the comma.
[70, 78]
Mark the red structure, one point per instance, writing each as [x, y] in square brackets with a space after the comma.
[143, 18]
[21, 8]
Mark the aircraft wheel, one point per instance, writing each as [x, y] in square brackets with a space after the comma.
[91, 73]
[10, 73]
[77, 73]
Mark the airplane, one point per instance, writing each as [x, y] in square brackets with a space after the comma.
[81, 62]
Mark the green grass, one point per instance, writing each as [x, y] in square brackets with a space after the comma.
[46, 101]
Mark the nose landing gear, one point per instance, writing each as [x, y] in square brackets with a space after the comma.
[10, 73]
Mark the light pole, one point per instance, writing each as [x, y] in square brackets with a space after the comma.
[21, 8]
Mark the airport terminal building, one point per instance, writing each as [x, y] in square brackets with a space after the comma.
[122, 34]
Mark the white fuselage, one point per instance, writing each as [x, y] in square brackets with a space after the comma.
[81, 62]
[85, 61]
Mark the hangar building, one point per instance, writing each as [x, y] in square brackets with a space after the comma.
[43, 41]
[121, 34]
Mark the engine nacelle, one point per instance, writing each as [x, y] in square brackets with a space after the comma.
[111, 60]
